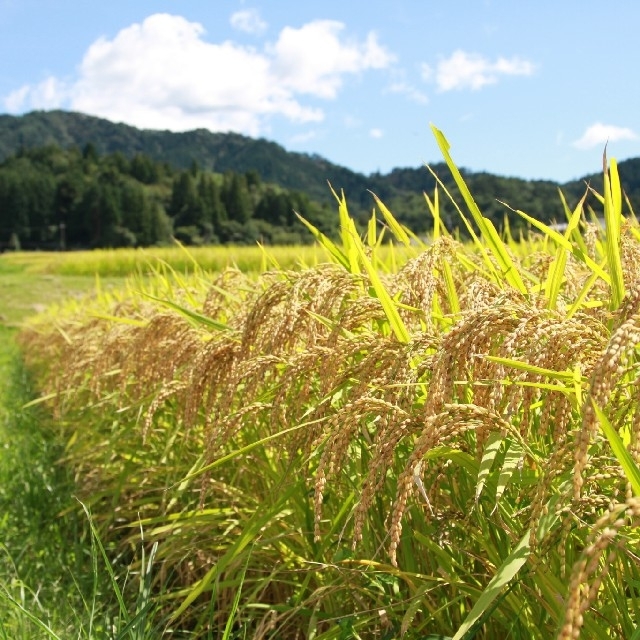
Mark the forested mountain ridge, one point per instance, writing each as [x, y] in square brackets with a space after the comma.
[120, 148]
[55, 198]
[219, 152]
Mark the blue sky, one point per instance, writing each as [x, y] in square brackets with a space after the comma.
[528, 89]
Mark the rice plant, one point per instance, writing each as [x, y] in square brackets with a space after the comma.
[444, 446]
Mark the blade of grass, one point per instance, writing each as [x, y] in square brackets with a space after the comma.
[236, 602]
[512, 458]
[328, 244]
[30, 616]
[505, 573]
[491, 449]
[557, 268]
[567, 376]
[197, 319]
[251, 530]
[497, 247]
[396, 228]
[631, 469]
[613, 223]
[391, 311]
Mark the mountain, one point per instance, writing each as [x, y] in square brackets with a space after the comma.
[401, 189]
[218, 152]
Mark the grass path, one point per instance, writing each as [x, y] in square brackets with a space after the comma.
[45, 548]
[36, 556]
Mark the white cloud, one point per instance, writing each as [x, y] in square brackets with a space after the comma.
[376, 133]
[249, 21]
[599, 134]
[314, 60]
[464, 70]
[17, 99]
[162, 73]
[49, 94]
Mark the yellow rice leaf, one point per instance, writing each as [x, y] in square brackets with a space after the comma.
[557, 268]
[510, 272]
[613, 223]
[561, 240]
[372, 230]
[326, 242]
[395, 321]
[396, 228]
[567, 376]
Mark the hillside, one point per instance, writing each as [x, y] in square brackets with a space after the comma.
[219, 152]
[401, 189]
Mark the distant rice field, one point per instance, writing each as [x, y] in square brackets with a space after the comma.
[123, 262]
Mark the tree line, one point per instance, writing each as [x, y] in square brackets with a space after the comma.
[54, 198]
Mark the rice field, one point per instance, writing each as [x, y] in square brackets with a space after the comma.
[439, 440]
[124, 262]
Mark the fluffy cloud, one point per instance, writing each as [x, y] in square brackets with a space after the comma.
[49, 94]
[314, 60]
[163, 74]
[464, 70]
[249, 21]
[599, 134]
[376, 133]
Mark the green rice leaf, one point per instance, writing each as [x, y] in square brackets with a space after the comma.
[434, 208]
[584, 292]
[372, 230]
[631, 469]
[491, 449]
[461, 458]
[561, 240]
[348, 233]
[555, 276]
[512, 458]
[452, 294]
[197, 319]
[506, 572]
[414, 607]
[249, 533]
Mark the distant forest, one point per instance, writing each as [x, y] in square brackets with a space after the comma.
[53, 198]
[68, 180]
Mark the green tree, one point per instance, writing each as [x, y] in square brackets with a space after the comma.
[185, 205]
[213, 209]
[236, 198]
[143, 169]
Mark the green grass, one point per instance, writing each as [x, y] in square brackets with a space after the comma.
[54, 581]
[43, 558]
